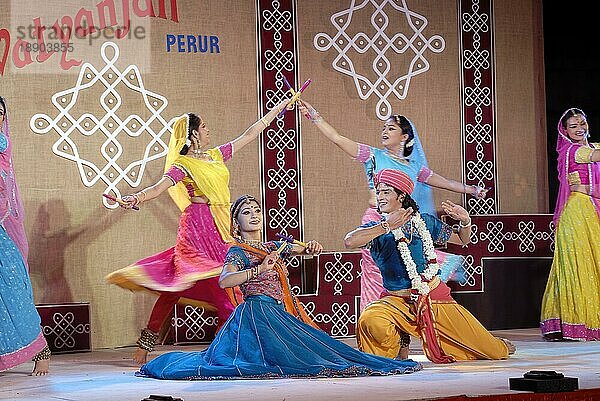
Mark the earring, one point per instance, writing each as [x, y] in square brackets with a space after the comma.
[235, 229]
[401, 151]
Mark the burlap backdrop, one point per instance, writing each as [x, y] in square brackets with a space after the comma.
[76, 241]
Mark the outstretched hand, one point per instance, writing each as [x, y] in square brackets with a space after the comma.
[128, 201]
[309, 111]
[284, 104]
[303, 105]
[455, 211]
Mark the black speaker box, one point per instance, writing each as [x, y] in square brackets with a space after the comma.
[543, 381]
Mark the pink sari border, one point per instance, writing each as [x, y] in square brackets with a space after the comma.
[24, 354]
[570, 331]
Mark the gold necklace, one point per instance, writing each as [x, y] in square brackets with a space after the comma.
[200, 155]
[253, 243]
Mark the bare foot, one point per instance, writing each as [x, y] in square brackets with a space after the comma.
[41, 367]
[140, 356]
[511, 347]
[402, 354]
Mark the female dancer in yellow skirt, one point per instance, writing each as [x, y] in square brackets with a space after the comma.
[571, 303]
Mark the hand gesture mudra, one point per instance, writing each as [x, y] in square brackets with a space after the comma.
[313, 248]
[457, 212]
[480, 192]
[268, 262]
[128, 201]
[399, 217]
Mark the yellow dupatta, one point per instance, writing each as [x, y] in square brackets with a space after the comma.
[211, 177]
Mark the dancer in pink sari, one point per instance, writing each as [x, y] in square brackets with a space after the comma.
[21, 337]
[198, 181]
[571, 302]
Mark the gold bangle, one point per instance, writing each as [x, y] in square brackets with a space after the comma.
[262, 119]
[138, 197]
[247, 274]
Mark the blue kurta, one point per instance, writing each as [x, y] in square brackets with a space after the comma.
[386, 255]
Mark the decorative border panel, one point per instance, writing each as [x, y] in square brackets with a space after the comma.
[66, 327]
[193, 325]
[280, 143]
[503, 237]
[478, 101]
[334, 305]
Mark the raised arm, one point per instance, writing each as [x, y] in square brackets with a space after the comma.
[347, 145]
[148, 193]
[435, 180]
[312, 248]
[363, 235]
[231, 276]
[252, 132]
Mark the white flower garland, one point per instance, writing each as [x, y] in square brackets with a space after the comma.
[429, 251]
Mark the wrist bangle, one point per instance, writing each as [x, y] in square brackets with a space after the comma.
[262, 120]
[247, 274]
[469, 224]
[385, 225]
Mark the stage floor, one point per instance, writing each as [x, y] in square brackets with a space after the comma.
[109, 375]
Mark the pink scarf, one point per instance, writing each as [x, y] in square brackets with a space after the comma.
[12, 215]
[564, 147]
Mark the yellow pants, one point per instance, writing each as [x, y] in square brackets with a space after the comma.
[460, 333]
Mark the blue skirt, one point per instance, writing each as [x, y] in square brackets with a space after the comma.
[20, 331]
[261, 340]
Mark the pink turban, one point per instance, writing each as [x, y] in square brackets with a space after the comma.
[396, 179]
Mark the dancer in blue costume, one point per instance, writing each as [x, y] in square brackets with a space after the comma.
[268, 335]
[402, 150]
[21, 336]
